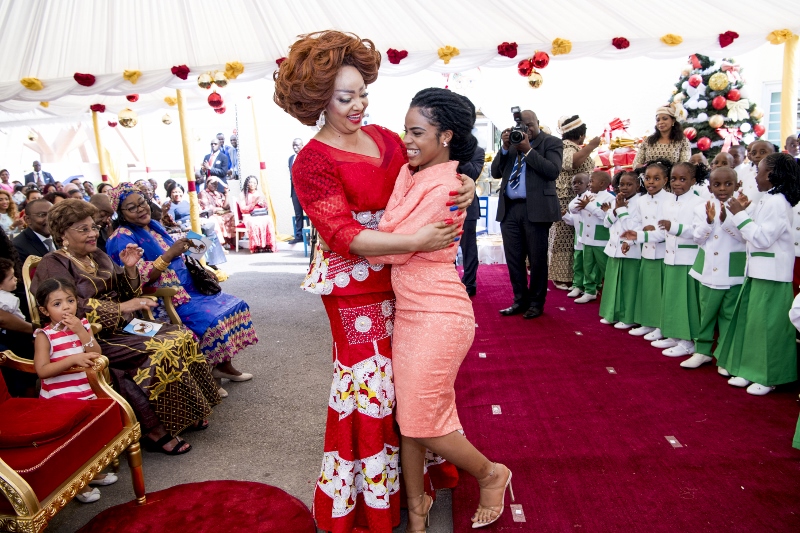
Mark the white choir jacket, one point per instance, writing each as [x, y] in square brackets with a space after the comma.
[796, 229]
[594, 232]
[651, 210]
[569, 219]
[770, 242]
[625, 218]
[680, 248]
[721, 259]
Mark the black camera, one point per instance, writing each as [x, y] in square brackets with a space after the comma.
[520, 130]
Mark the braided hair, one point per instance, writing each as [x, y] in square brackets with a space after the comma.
[449, 111]
[664, 164]
[699, 171]
[618, 177]
[784, 176]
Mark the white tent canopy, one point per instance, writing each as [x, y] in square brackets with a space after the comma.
[51, 40]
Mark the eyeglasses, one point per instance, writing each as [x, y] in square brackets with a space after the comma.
[41, 215]
[84, 230]
[134, 208]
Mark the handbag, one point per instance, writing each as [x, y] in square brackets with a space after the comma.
[260, 212]
[204, 281]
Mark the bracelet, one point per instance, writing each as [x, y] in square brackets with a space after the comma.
[89, 344]
[160, 263]
[529, 151]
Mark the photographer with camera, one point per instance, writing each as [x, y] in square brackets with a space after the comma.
[528, 163]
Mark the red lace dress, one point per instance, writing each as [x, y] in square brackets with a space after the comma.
[344, 193]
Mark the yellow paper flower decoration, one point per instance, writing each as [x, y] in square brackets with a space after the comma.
[233, 69]
[447, 53]
[671, 39]
[44, 104]
[780, 36]
[132, 75]
[32, 84]
[170, 100]
[561, 46]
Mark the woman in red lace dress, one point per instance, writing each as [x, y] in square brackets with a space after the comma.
[344, 178]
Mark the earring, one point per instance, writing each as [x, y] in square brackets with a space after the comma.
[444, 143]
[321, 120]
[65, 244]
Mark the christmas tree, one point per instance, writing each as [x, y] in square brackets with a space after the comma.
[714, 106]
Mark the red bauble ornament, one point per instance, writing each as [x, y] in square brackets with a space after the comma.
[695, 80]
[734, 95]
[98, 108]
[718, 102]
[620, 43]
[112, 124]
[396, 56]
[540, 59]
[525, 67]
[132, 97]
[219, 110]
[87, 80]
[759, 130]
[703, 144]
[507, 49]
[690, 133]
[215, 100]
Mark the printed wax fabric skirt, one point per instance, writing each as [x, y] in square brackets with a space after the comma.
[760, 343]
[562, 243]
[170, 371]
[359, 486]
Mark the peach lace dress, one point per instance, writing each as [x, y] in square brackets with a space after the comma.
[434, 323]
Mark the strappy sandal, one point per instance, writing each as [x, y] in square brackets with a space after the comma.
[158, 446]
[200, 425]
[496, 512]
[426, 515]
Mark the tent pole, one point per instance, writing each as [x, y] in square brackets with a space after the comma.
[194, 205]
[789, 89]
[262, 166]
[100, 155]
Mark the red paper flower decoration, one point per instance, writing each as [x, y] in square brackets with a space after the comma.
[727, 38]
[132, 97]
[87, 80]
[620, 43]
[215, 100]
[182, 71]
[396, 56]
[99, 108]
[219, 110]
[525, 67]
[280, 60]
[507, 49]
[540, 59]
[112, 124]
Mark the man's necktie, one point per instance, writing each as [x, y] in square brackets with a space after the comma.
[513, 181]
[49, 243]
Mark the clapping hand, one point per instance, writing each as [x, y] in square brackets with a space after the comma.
[711, 212]
[649, 228]
[629, 235]
[664, 224]
[605, 207]
[722, 212]
[625, 248]
[621, 201]
[583, 202]
[736, 207]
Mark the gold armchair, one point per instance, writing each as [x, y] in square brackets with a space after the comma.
[36, 493]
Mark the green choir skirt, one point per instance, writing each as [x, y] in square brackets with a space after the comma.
[796, 441]
[618, 301]
[648, 293]
[680, 306]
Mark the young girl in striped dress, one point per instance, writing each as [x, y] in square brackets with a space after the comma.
[759, 348]
[65, 342]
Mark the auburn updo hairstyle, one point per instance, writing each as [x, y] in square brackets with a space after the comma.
[449, 111]
[304, 81]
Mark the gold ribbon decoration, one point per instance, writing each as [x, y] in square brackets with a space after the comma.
[132, 75]
[780, 36]
[32, 84]
[233, 69]
[561, 46]
[170, 100]
[619, 142]
[447, 53]
[738, 110]
[671, 39]
[44, 104]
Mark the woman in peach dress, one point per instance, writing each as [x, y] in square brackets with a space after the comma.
[431, 300]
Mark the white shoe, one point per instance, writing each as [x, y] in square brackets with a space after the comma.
[574, 293]
[664, 343]
[222, 393]
[89, 496]
[562, 286]
[739, 382]
[722, 372]
[641, 330]
[759, 390]
[654, 335]
[109, 479]
[586, 298]
[678, 351]
[696, 361]
[623, 325]
[604, 321]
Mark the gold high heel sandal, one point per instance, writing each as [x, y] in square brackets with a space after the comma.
[497, 512]
[426, 515]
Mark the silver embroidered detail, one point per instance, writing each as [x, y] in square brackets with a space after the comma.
[342, 280]
[360, 272]
[363, 324]
[377, 268]
[387, 308]
[389, 327]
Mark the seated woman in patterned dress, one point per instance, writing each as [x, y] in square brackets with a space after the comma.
[164, 378]
[255, 216]
[222, 322]
[214, 200]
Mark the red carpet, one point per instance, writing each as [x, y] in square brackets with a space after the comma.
[588, 448]
[211, 506]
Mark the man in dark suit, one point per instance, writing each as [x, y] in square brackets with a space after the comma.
[34, 240]
[526, 209]
[297, 145]
[216, 163]
[38, 177]
[469, 243]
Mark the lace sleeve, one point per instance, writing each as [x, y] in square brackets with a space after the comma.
[323, 198]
